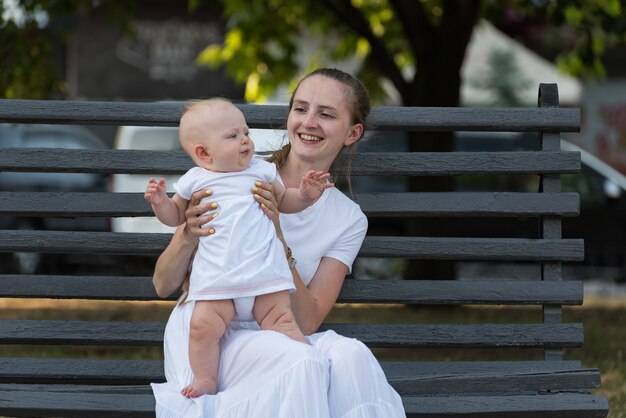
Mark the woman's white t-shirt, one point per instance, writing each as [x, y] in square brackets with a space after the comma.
[334, 226]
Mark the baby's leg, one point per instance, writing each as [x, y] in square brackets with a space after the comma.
[208, 323]
[273, 312]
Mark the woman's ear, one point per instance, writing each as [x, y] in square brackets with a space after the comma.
[356, 132]
[202, 153]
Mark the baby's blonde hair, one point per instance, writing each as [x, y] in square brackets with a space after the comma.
[187, 140]
[194, 103]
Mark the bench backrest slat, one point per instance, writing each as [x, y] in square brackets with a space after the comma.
[441, 248]
[492, 204]
[523, 292]
[274, 116]
[390, 163]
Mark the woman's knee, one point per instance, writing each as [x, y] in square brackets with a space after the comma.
[293, 352]
[349, 352]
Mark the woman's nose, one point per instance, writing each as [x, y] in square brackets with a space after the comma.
[310, 120]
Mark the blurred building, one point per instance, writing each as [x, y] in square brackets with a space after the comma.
[153, 59]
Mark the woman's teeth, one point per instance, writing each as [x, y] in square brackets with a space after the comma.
[310, 138]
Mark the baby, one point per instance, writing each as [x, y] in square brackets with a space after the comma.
[241, 270]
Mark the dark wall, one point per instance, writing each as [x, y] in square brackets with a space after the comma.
[154, 60]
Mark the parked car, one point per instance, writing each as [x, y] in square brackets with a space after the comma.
[602, 219]
[143, 138]
[48, 136]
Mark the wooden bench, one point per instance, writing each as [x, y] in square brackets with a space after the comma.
[548, 386]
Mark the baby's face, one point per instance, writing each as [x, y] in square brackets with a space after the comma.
[227, 138]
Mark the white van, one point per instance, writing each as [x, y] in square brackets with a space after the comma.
[164, 139]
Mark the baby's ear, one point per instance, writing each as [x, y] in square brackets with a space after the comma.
[202, 153]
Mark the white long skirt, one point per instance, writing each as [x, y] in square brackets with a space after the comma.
[266, 374]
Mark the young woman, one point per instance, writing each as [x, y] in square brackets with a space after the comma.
[265, 373]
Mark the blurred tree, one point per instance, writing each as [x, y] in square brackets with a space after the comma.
[32, 31]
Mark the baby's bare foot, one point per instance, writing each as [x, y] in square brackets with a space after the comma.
[198, 389]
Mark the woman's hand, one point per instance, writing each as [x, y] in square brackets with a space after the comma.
[173, 264]
[199, 214]
[264, 195]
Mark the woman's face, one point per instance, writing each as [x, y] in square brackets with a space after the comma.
[320, 121]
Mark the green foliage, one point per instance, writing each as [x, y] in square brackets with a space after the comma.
[585, 29]
[387, 42]
[264, 53]
[26, 71]
[371, 33]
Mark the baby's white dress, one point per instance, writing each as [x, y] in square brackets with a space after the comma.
[244, 257]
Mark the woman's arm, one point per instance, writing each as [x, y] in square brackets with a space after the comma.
[311, 304]
[173, 264]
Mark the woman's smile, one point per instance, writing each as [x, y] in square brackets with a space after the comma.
[310, 138]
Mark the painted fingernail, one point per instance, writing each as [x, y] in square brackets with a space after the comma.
[263, 205]
[258, 183]
[256, 196]
[214, 215]
[211, 231]
[254, 189]
[213, 205]
[209, 192]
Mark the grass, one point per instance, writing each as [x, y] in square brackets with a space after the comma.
[604, 322]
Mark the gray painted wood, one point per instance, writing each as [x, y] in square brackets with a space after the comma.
[386, 164]
[473, 248]
[128, 372]
[560, 405]
[550, 227]
[523, 383]
[513, 249]
[408, 378]
[372, 204]
[107, 401]
[274, 116]
[76, 401]
[377, 335]
[353, 291]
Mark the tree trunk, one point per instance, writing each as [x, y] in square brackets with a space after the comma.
[437, 82]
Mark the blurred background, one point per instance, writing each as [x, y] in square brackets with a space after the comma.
[420, 53]
[410, 53]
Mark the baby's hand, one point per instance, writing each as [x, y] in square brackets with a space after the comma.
[155, 192]
[313, 184]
